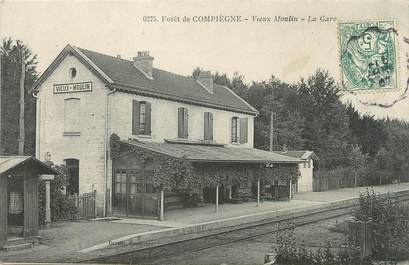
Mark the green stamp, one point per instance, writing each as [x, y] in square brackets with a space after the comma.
[368, 55]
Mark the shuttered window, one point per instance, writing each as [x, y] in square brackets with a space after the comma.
[208, 126]
[141, 117]
[244, 130]
[183, 123]
[234, 130]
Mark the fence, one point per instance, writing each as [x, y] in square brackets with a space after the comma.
[85, 204]
[323, 184]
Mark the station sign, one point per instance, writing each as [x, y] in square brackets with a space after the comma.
[72, 88]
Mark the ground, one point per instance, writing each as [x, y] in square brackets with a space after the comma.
[253, 251]
[64, 239]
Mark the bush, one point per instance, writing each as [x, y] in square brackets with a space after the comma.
[292, 252]
[390, 224]
[62, 208]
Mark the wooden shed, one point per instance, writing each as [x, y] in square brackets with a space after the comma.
[19, 196]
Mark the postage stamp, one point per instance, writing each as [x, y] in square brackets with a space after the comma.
[368, 55]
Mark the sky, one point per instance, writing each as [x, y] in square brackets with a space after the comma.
[287, 50]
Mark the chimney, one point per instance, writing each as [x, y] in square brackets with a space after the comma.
[206, 80]
[144, 63]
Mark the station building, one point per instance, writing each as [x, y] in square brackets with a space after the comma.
[115, 123]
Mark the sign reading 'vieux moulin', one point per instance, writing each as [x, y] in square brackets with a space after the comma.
[71, 88]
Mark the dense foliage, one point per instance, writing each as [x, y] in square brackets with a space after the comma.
[62, 208]
[390, 219]
[11, 56]
[291, 251]
[179, 174]
[353, 149]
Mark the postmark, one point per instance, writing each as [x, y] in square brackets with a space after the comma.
[368, 56]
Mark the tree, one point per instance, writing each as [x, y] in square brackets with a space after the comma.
[11, 52]
[288, 122]
[358, 162]
[366, 131]
[326, 127]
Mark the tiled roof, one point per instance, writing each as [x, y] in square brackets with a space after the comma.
[10, 162]
[127, 77]
[212, 153]
[301, 154]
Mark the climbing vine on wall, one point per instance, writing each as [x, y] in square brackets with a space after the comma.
[179, 174]
[168, 172]
[279, 173]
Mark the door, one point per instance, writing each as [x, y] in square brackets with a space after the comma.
[15, 200]
[119, 195]
[134, 194]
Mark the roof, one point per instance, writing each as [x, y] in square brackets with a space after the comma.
[301, 154]
[8, 163]
[122, 75]
[212, 153]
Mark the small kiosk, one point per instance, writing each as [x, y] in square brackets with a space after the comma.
[19, 197]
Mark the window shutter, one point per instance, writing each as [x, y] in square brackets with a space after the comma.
[232, 130]
[210, 126]
[243, 130]
[185, 123]
[135, 117]
[148, 111]
[180, 122]
[206, 126]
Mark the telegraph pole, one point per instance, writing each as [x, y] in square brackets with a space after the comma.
[22, 91]
[271, 131]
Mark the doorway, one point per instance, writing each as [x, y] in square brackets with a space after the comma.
[15, 204]
[73, 168]
[134, 193]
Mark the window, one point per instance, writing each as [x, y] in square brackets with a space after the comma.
[141, 118]
[239, 130]
[243, 130]
[183, 123]
[73, 169]
[73, 72]
[244, 183]
[234, 130]
[208, 126]
[72, 115]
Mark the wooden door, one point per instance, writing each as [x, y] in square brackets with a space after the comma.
[134, 194]
[150, 195]
[15, 200]
[119, 202]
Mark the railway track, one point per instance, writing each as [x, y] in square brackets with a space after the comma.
[146, 255]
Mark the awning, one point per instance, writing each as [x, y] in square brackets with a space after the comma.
[207, 153]
[8, 163]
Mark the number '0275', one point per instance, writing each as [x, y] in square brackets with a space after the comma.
[150, 19]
